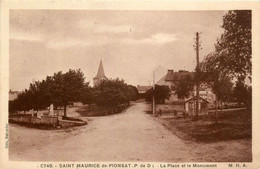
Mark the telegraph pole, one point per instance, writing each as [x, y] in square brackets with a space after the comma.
[153, 92]
[197, 49]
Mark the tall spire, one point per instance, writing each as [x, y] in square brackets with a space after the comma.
[100, 72]
[100, 75]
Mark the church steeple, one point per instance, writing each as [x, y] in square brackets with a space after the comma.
[100, 74]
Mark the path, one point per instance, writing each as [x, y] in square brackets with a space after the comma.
[131, 135]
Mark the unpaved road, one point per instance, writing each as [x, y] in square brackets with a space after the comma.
[131, 135]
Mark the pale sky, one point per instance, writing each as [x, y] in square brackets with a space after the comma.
[131, 43]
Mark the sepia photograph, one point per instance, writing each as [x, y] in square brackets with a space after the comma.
[136, 85]
[156, 85]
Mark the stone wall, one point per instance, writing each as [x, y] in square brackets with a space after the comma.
[49, 121]
[68, 123]
[20, 119]
[44, 120]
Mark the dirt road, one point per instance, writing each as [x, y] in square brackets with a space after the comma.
[131, 135]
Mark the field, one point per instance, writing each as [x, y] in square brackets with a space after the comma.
[231, 125]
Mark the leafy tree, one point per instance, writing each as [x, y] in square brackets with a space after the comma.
[232, 55]
[233, 49]
[160, 93]
[39, 95]
[243, 93]
[66, 88]
[218, 80]
[87, 95]
[183, 87]
[132, 93]
[110, 94]
[23, 101]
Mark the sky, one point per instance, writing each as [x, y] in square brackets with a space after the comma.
[131, 44]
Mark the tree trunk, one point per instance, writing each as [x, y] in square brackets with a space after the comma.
[184, 108]
[216, 111]
[65, 110]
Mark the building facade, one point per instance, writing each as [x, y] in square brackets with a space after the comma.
[172, 77]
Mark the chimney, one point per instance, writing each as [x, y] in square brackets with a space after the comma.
[170, 71]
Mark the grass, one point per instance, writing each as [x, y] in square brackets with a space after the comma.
[230, 126]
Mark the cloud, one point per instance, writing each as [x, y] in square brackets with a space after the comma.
[159, 38]
[66, 44]
[104, 28]
[25, 36]
[95, 40]
[114, 29]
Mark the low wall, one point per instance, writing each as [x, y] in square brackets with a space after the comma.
[20, 119]
[68, 123]
[51, 121]
[44, 120]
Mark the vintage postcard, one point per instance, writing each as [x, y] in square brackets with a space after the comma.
[120, 84]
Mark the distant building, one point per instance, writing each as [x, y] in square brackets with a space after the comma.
[100, 75]
[190, 106]
[171, 77]
[143, 89]
[13, 94]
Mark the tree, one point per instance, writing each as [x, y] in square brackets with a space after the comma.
[66, 88]
[243, 93]
[23, 101]
[87, 94]
[60, 89]
[218, 80]
[110, 94]
[222, 88]
[39, 95]
[184, 86]
[160, 93]
[132, 93]
[233, 49]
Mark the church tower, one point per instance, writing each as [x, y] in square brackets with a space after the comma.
[100, 75]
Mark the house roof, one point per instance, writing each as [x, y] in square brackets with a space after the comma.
[177, 76]
[195, 98]
[143, 88]
[161, 81]
[100, 72]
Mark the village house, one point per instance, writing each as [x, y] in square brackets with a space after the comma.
[142, 90]
[171, 77]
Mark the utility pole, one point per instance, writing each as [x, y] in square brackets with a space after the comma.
[197, 49]
[153, 92]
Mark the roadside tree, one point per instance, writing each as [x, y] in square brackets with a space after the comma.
[111, 94]
[67, 88]
[160, 93]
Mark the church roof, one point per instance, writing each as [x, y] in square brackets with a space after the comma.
[100, 72]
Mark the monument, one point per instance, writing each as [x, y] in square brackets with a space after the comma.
[51, 110]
